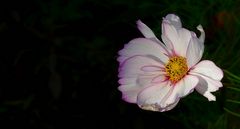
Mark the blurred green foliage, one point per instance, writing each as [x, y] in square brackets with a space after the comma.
[59, 68]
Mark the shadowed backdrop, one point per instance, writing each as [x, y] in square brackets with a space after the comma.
[58, 63]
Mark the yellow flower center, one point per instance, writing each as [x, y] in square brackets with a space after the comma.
[176, 68]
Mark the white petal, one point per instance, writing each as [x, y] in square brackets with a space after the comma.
[155, 107]
[209, 69]
[184, 38]
[194, 52]
[209, 96]
[130, 87]
[202, 36]
[204, 89]
[169, 34]
[176, 39]
[209, 78]
[148, 33]
[169, 46]
[129, 92]
[207, 85]
[195, 48]
[183, 88]
[159, 79]
[164, 96]
[151, 68]
[133, 79]
[188, 83]
[170, 106]
[124, 81]
[174, 20]
[143, 46]
[132, 67]
[154, 97]
[145, 30]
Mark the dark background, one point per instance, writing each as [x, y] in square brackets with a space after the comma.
[58, 63]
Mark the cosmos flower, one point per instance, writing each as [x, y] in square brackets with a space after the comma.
[155, 74]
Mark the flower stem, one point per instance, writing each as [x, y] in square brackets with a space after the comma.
[233, 88]
[231, 112]
[233, 101]
[232, 75]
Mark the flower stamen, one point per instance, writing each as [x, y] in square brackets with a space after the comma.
[176, 68]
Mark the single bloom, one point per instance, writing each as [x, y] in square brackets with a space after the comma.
[155, 74]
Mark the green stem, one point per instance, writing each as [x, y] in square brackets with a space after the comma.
[233, 101]
[232, 75]
[233, 88]
[231, 112]
[233, 80]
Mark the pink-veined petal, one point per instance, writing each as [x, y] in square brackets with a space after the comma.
[130, 87]
[209, 69]
[143, 46]
[174, 20]
[125, 81]
[148, 33]
[209, 96]
[207, 85]
[184, 38]
[183, 88]
[145, 30]
[132, 67]
[129, 92]
[133, 79]
[164, 96]
[194, 53]
[159, 79]
[170, 106]
[169, 35]
[209, 78]
[188, 83]
[195, 48]
[202, 36]
[176, 39]
[153, 98]
[151, 68]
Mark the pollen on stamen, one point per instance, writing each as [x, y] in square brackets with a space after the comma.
[176, 68]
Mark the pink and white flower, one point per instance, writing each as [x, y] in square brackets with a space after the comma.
[155, 74]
